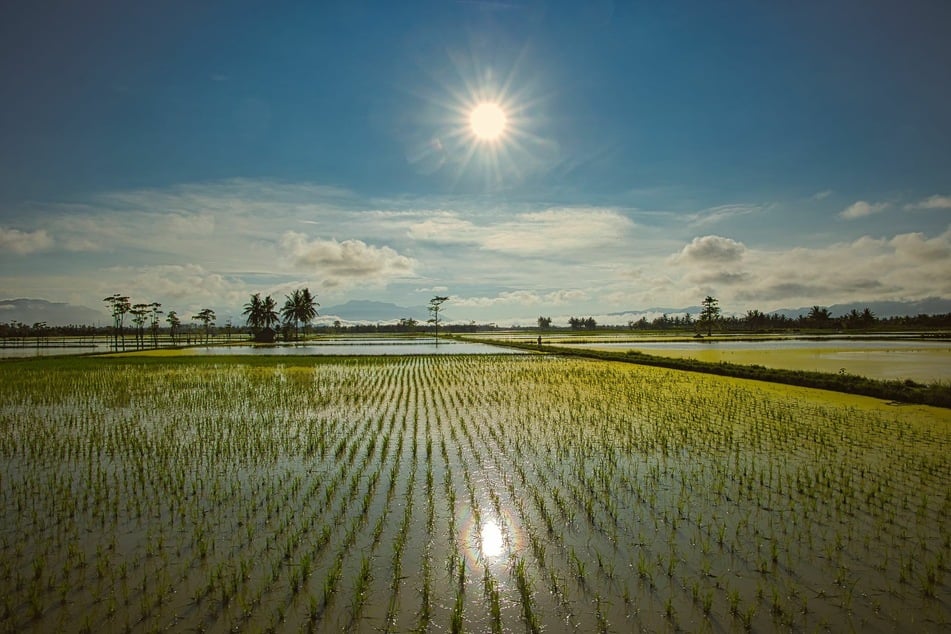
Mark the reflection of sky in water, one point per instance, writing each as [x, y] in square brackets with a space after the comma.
[368, 347]
[491, 542]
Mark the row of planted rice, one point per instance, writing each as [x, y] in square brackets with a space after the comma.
[461, 493]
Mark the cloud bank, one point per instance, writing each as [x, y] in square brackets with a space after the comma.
[213, 244]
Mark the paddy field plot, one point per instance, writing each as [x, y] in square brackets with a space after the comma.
[452, 493]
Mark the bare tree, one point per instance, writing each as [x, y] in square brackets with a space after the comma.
[434, 306]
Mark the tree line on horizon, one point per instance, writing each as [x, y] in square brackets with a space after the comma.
[818, 317]
[300, 309]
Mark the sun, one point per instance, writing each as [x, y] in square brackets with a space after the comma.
[487, 121]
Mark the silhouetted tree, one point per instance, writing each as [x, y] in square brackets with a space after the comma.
[710, 313]
[207, 317]
[299, 307]
[819, 316]
[754, 319]
[544, 322]
[173, 323]
[154, 325]
[139, 312]
[269, 312]
[434, 306]
[120, 306]
[254, 310]
[40, 330]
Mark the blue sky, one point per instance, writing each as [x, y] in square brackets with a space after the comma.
[191, 153]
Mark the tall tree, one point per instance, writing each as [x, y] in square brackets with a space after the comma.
[435, 304]
[139, 313]
[544, 322]
[261, 314]
[299, 308]
[207, 317]
[710, 313]
[289, 311]
[173, 323]
[254, 310]
[308, 308]
[120, 306]
[819, 316]
[154, 325]
[754, 318]
[269, 312]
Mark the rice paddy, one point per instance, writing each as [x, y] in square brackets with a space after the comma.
[461, 493]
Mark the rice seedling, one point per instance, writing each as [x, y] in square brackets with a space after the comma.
[264, 490]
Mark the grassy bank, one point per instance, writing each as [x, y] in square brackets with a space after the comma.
[937, 394]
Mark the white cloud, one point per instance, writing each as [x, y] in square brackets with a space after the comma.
[723, 212]
[861, 208]
[932, 202]
[551, 231]
[24, 242]
[711, 250]
[180, 283]
[522, 298]
[905, 266]
[822, 195]
[350, 261]
[213, 244]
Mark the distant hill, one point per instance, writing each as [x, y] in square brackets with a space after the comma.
[930, 306]
[658, 311]
[361, 310]
[31, 311]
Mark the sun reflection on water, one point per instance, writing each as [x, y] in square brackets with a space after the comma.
[493, 544]
[492, 541]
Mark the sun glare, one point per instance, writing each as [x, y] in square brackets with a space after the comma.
[487, 121]
[493, 544]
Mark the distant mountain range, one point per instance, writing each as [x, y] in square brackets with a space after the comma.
[371, 311]
[30, 311]
[930, 306]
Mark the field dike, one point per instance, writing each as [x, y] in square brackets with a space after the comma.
[481, 493]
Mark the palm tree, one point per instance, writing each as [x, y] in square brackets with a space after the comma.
[253, 310]
[299, 307]
[262, 313]
[819, 316]
[289, 311]
[307, 310]
[269, 312]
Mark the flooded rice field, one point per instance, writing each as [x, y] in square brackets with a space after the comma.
[451, 493]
